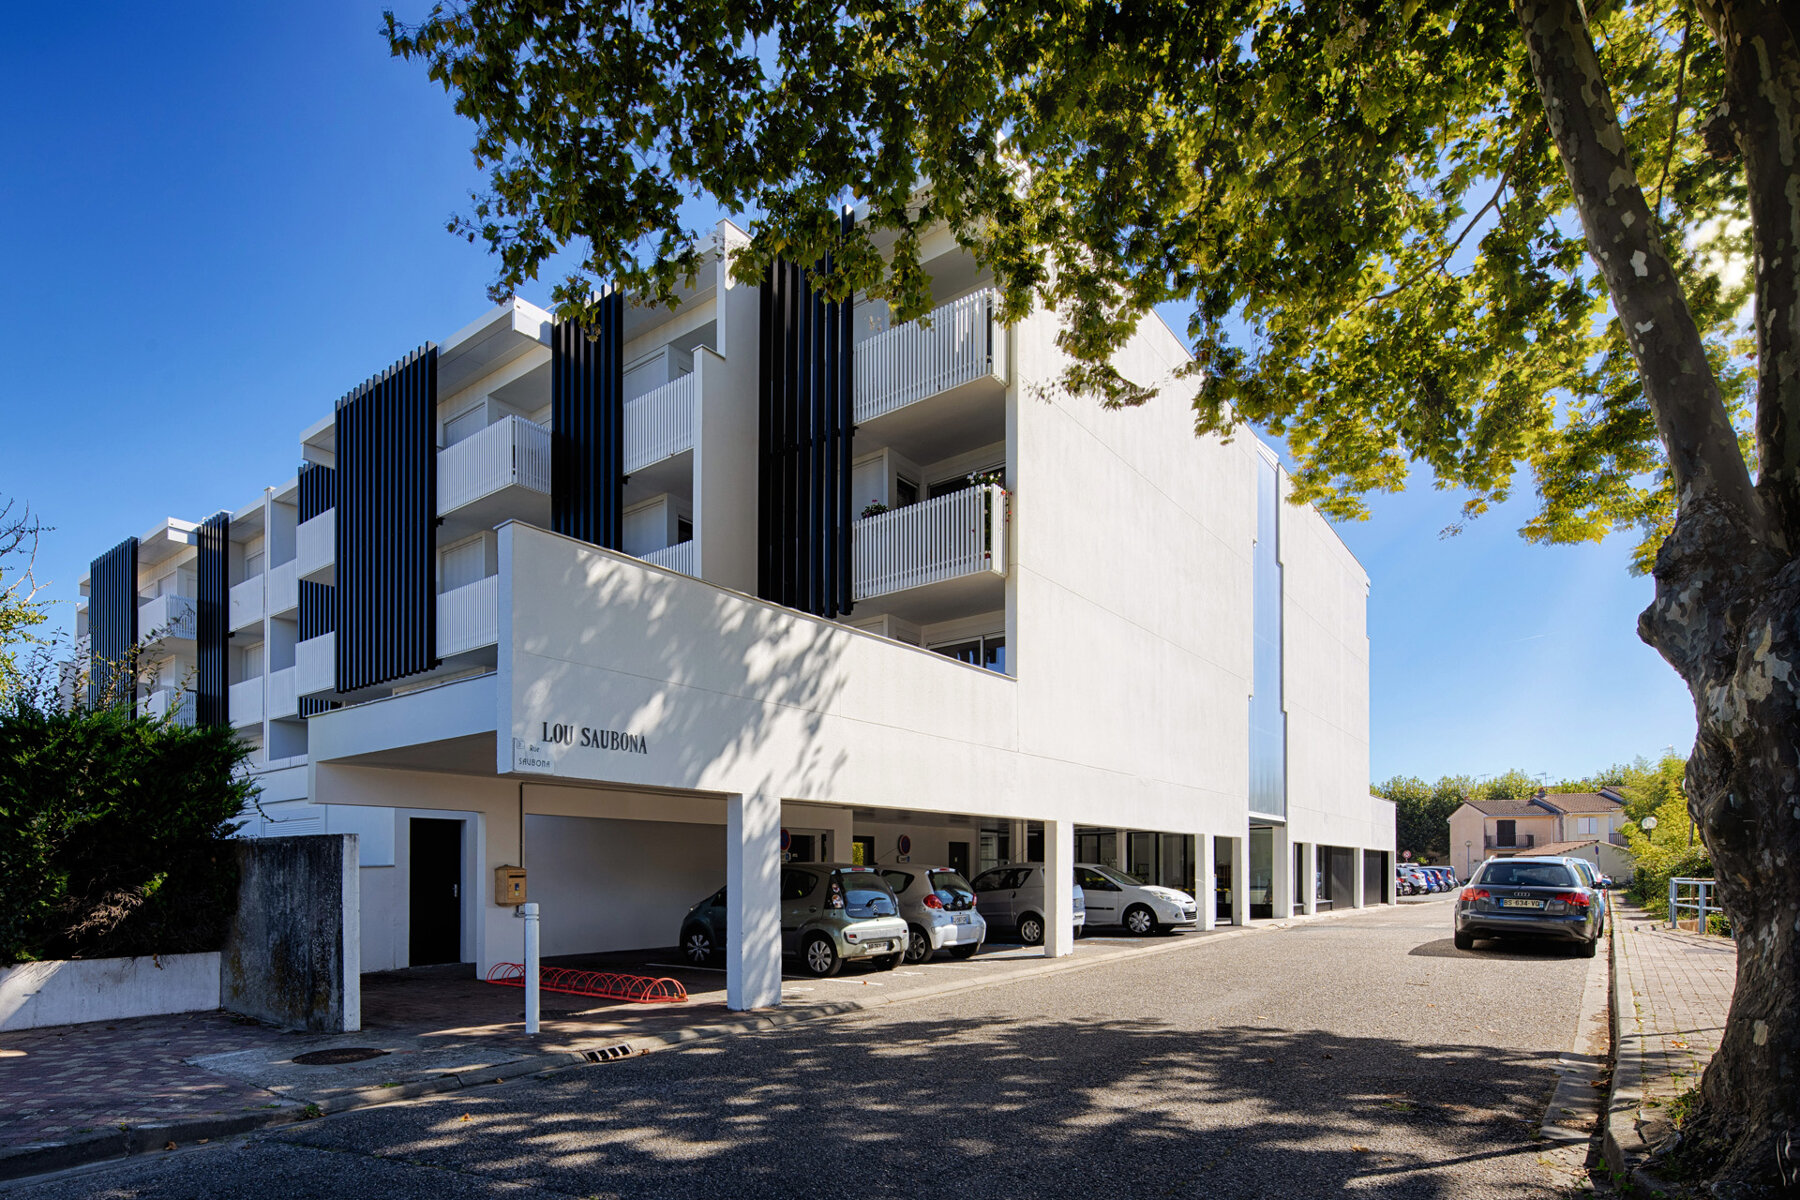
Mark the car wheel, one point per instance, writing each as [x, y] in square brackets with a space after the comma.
[889, 962]
[697, 945]
[1031, 929]
[1590, 948]
[918, 945]
[820, 957]
[963, 951]
[1464, 941]
[1139, 920]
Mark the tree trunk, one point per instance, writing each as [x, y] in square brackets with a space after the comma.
[1727, 588]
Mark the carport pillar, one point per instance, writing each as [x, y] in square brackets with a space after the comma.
[1206, 882]
[752, 902]
[1240, 881]
[1059, 888]
[1309, 886]
[1358, 869]
[1281, 873]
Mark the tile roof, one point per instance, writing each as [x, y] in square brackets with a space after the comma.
[1555, 849]
[1585, 802]
[1509, 808]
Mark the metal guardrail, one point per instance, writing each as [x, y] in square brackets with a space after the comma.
[1691, 894]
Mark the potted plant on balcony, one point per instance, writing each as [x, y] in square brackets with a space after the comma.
[873, 508]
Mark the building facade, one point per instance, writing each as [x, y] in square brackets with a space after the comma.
[654, 606]
[1544, 823]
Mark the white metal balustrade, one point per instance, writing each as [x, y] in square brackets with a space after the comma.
[512, 452]
[961, 534]
[468, 617]
[963, 342]
[246, 703]
[660, 423]
[246, 601]
[281, 700]
[679, 557]
[169, 616]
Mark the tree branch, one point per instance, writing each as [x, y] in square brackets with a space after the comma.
[1449, 251]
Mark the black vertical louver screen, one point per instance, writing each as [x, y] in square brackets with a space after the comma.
[318, 490]
[113, 625]
[806, 400]
[587, 426]
[387, 525]
[212, 696]
[318, 601]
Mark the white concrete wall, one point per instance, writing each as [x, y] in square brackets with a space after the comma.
[106, 989]
[616, 885]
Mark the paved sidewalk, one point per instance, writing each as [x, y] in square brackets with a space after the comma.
[1672, 991]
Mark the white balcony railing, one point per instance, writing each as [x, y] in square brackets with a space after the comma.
[168, 616]
[246, 703]
[315, 665]
[961, 534]
[165, 701]
[284, 588]
[964, 342]
[247, 602]
[512, 452]
[468, 617]
[315, 544]
[281, 701]
[679, 557]
[659, 423]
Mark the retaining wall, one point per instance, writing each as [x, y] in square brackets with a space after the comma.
[106, 989]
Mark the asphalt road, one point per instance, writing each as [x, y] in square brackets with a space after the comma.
[1360, 1055]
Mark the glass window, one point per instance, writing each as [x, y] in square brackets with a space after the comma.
[1093, 880]
[898, 880]
[993, 654]
[464, 564]
[950, 888]
[969, 652]
[1121, 877]
[905, 492]
[684, 530]
[797, 885]
[1507, 873]
[465, 425]
[867, 894]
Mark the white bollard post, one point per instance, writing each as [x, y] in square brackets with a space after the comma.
[530, 912]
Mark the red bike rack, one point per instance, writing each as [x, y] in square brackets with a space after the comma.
[605, 985]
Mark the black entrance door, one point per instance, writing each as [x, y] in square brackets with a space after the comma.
[959, 858]
[436, 893]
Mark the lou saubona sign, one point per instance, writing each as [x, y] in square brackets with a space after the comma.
[538, 756]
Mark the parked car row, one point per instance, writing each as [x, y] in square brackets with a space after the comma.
[1556, 898]
[1412, 879]
[833, 913]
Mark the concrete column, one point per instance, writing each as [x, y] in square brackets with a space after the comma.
[1281, 873]
[1015, 830]
[1357, 867]
[752, 902]
[1059, 889]
[1121, 849]
[836, 822]
[1309, 886]
[1240, 881]
[1205, 890]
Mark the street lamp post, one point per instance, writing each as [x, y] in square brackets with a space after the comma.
[1468, 858]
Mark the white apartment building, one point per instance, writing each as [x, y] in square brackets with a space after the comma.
[656, 606]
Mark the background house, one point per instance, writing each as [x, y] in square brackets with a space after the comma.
[1546, 823]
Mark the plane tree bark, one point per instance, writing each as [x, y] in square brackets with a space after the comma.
[1727, 581]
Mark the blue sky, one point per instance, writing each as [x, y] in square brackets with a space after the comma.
[219, 218]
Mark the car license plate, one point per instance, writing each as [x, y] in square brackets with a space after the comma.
[960, 919]
[1522, 904]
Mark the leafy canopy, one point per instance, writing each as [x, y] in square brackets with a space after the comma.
[1358, 202]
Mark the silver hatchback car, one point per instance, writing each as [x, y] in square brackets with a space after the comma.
[1013, 897]
[939, 907]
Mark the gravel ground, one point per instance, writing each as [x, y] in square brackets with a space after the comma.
[1358, 1055]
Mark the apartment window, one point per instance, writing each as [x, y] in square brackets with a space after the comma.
[1506, 833]
[989, 652]
[961, 483]
[684, 530]
[464, 563]
[1587, 826]
[250, 662]
[906, 492]
[253, 564]
[466, 425]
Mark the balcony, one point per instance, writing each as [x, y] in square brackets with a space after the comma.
[1522, 841]
[501, 472]
[284, 588]
[169, 616]
[281, 701]
[315, 548]
[315, 665]
[659, 424]
[679, 557]
[958, 536]
[247, 604]
[468, 617]
[959, 348]
[174, 703]
[246, 703]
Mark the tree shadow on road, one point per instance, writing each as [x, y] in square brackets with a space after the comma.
[990, 1110]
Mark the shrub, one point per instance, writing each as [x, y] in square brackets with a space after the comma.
[113, 833]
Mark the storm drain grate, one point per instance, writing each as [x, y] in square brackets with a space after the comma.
[338, 1056]
[610, 1054]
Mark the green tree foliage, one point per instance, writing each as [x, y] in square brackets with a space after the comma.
[112, 833]
[21, 612]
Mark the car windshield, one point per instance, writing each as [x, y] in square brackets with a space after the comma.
[952, 889]
[1528, 874]
[1120, 877]
[867, 894]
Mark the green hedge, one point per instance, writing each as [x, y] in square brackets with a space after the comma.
[113, 834]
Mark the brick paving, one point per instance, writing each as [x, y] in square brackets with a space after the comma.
[63, 1081]
[1674, 991]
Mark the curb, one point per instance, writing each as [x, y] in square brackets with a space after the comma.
[139, 1139]
[1576, 1107]
[1622, 1145]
